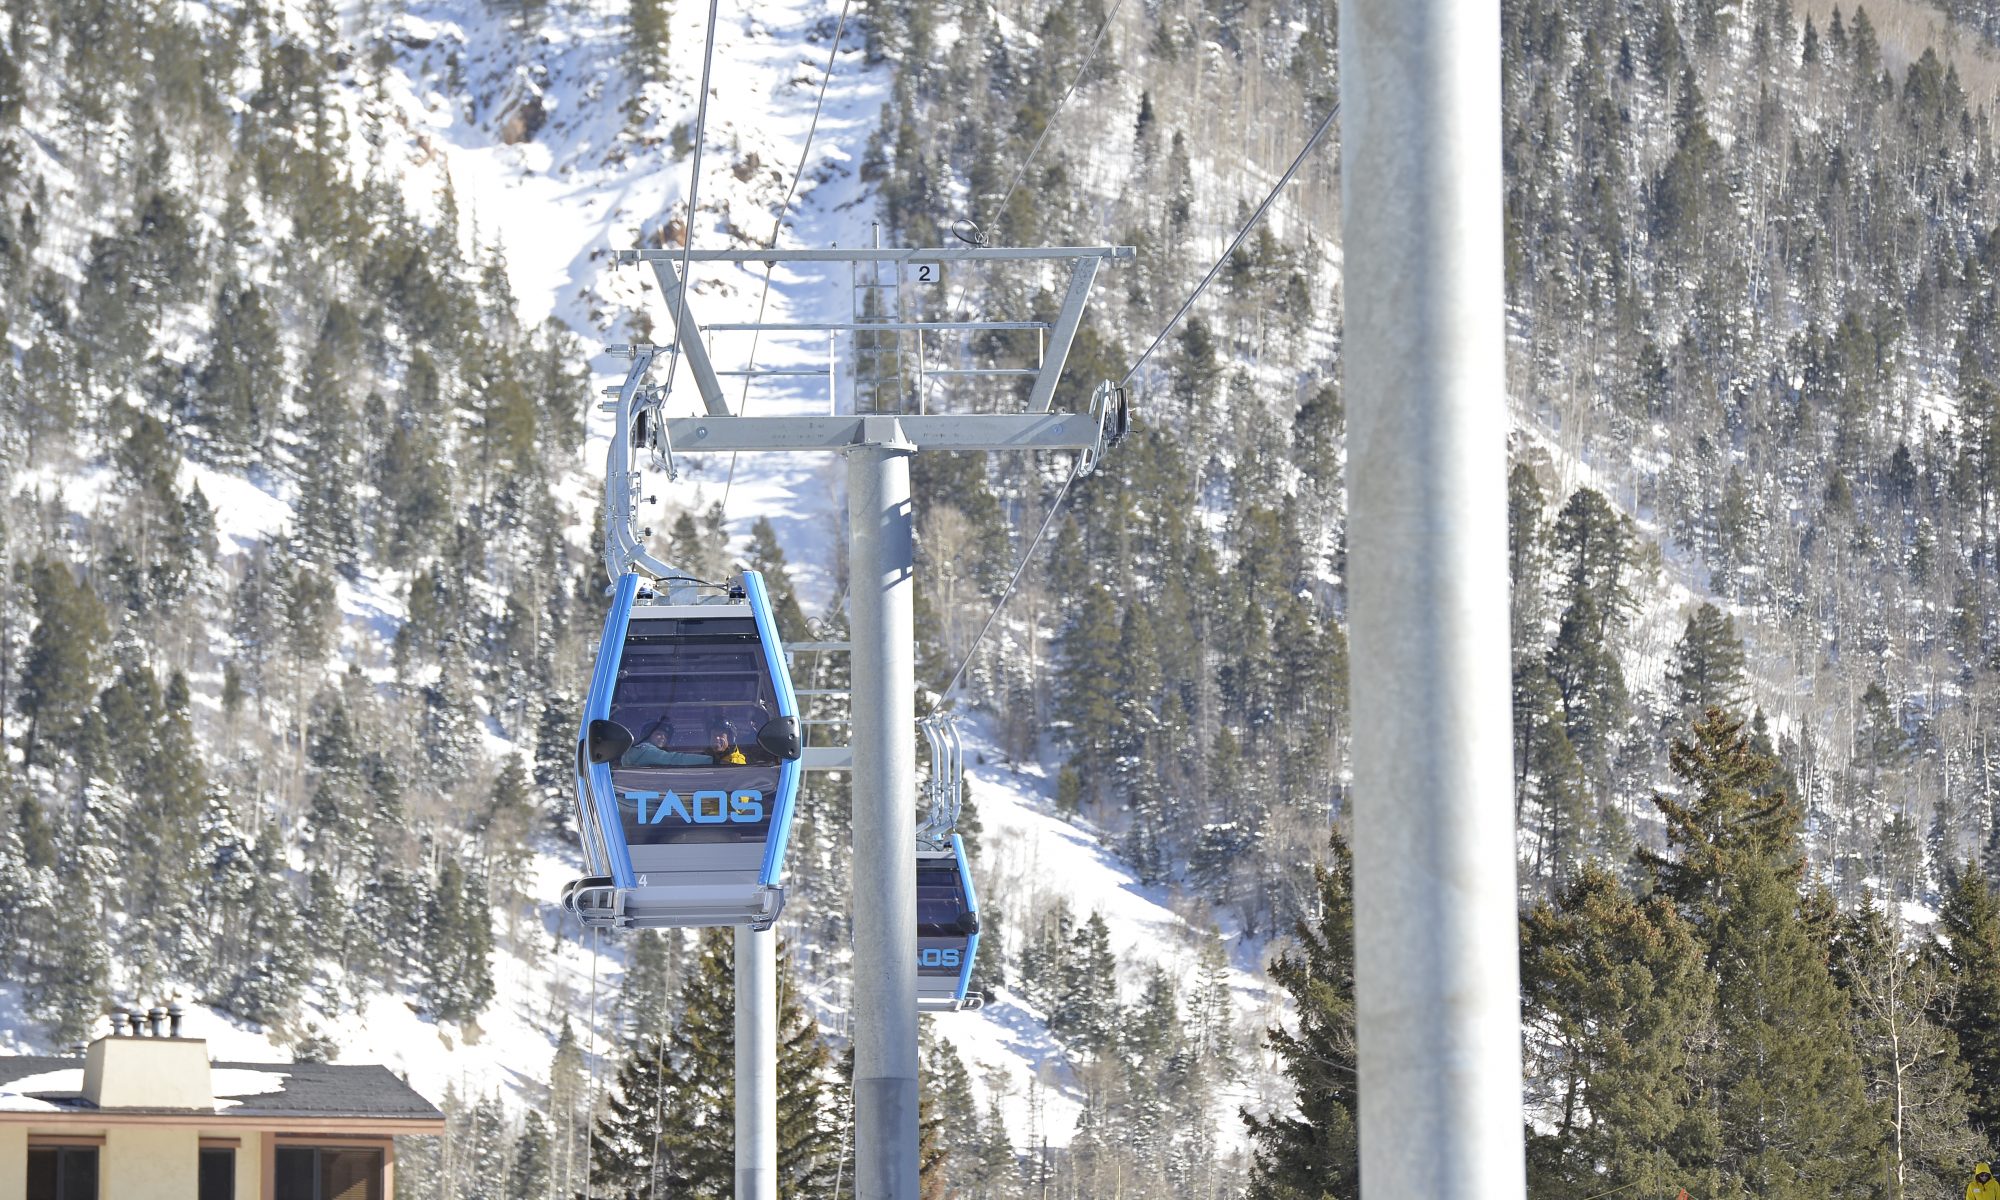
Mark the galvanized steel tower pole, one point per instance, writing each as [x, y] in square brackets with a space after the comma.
[756, 1064]
[883, 737]
[1436, 938]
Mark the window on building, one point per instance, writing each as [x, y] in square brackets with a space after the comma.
[327, 1173]
[218, 1174]
[62, 1173]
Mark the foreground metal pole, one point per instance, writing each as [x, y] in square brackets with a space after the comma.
[1436, 936]
[756, 1064]
[884, 862]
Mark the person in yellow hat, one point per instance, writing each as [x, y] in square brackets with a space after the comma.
[1983, 1185]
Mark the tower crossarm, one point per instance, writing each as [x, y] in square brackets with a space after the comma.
[940, 344]
[992, 432]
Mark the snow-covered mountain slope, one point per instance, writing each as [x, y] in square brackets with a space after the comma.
[1031, 856]
[529, 131]
[587, 184]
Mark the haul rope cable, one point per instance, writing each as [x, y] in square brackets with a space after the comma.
[1089, 57]
[1318, 135]
[1314, 140]
[978, 237]
[694, 194]
[659, 1109]
[778, 227]
[590, 1143]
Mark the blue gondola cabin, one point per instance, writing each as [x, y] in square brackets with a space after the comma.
[687, 763]
[947, 929]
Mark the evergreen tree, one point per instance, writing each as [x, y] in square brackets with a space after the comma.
[1549, 773]
[458, 940]
[1968, 947]
[1616, 1002]
[651, 985]
[703, 1048]
[487, 1154]
[1314, 1155]
[1527, 554]
[69, 974]
[1785, 1076]
[632, 1150]
[1089, 705]
[1585, 670]
[569, 1115]
[948, 1127]
[531, 1175]
[58, 677]
[808, 1132]
[234, 392]
[164, 765]
[647, 41]
[1706, 670]
[328, 520]
[1085, 1013]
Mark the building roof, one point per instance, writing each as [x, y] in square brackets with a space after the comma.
[40, 1083]
[330, 1090]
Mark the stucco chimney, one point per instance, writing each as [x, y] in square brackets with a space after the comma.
[136, 1072]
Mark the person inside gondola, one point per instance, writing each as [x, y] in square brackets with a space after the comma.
[722, 748]
[652, 751]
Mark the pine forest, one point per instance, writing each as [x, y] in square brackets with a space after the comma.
[301, 580]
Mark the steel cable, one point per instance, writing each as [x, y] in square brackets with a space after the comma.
[1055, 506]
[1242, 233]
[1083, 68]
[694, 187]
[778, 226]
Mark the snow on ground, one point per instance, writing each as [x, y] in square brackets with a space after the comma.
[1028, 853]
[246, 512]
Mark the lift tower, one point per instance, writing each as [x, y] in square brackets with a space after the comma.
[889, 419]
[1436, 942]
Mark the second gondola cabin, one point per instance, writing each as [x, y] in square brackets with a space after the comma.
[687, 762]
[947, 929]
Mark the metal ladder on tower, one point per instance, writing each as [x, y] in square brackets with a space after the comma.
[879, 377]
